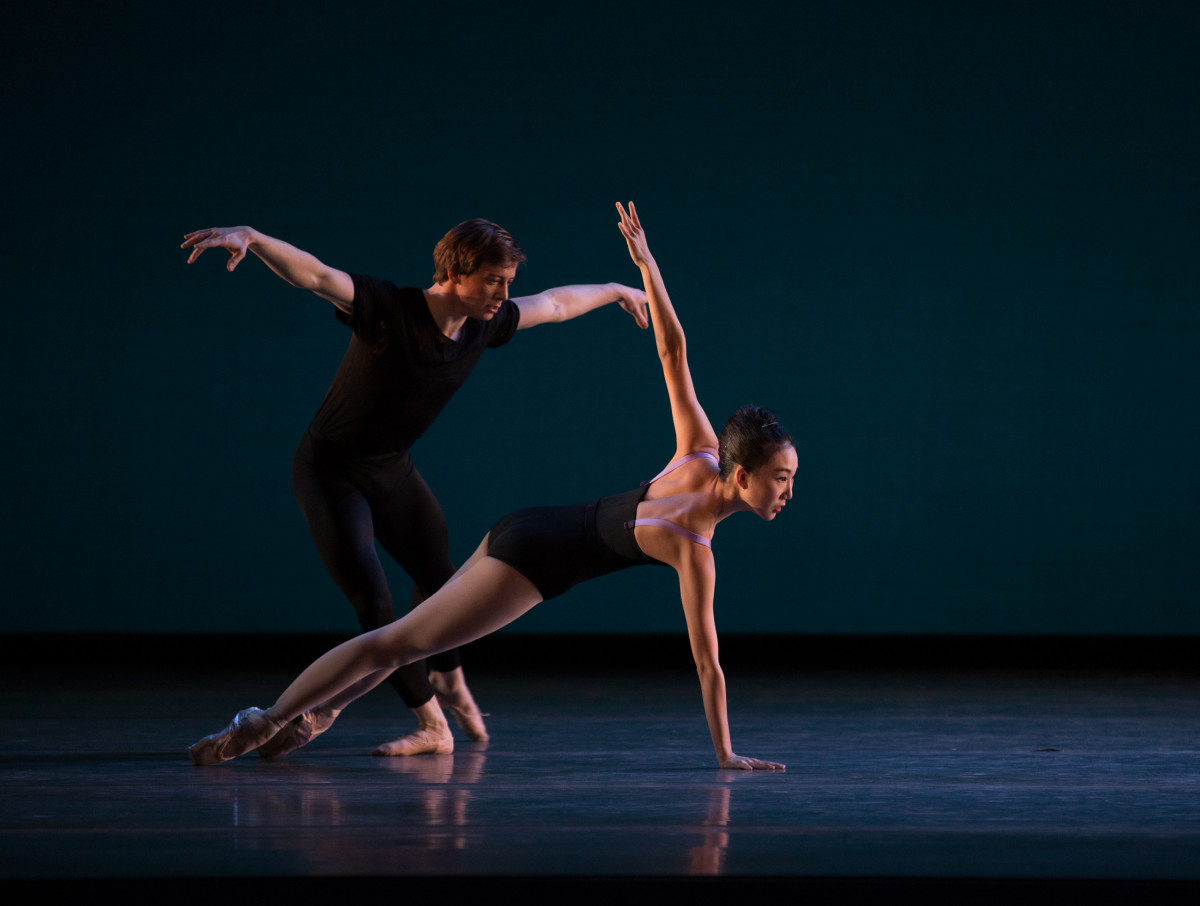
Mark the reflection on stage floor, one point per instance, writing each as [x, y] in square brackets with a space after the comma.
[981, 774]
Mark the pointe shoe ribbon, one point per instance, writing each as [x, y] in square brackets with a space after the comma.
[248, 729]
[299, 732]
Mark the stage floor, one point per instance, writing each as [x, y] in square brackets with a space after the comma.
[891, 775]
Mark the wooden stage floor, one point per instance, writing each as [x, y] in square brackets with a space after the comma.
[966, 780]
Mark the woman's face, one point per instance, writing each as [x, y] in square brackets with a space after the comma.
[769, 487]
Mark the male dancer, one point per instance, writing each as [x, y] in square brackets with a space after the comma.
[411, 349]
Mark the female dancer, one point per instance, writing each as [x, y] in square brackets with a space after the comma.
[533, 555]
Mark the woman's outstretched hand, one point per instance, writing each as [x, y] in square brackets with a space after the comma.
[635, 238]
[234, 240]
[741, 763]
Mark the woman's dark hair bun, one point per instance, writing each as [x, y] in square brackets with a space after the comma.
[751, 436]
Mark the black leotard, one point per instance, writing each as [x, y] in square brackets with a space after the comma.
[555, 547]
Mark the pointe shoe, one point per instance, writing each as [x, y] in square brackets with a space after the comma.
[299, 732]
[247, 730]
[419, 742]
[469, 721]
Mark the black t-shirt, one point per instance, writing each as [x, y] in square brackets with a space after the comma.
[400, 370]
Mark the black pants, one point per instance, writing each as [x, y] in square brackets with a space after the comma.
[352, 501]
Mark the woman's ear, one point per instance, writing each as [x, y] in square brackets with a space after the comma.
[741, 477]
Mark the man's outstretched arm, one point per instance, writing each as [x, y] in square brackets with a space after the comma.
[297, 267]
[565, 302]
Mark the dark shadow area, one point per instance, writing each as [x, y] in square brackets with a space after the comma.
[598, 651]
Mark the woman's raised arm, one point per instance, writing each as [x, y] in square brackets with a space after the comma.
[693, 431]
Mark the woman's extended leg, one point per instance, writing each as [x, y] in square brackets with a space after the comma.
[315, 721]
[482, 597]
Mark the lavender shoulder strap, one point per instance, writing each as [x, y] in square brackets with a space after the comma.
[663, 523]
[671, 467]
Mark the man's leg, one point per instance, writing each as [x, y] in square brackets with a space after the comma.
[412, 529]
[343, 526]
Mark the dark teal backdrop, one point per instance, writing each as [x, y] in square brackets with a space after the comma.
[953, 244]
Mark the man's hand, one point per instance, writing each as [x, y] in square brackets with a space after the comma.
[235, 240]
[634, 302]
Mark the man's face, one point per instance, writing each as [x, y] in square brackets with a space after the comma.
[483, 291]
